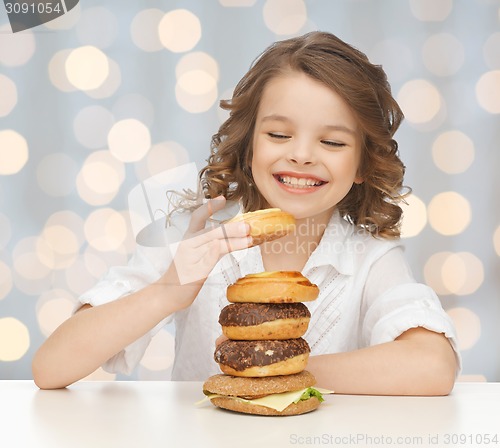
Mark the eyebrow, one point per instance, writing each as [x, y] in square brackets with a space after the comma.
[331, 127]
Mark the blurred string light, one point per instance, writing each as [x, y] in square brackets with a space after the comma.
[237, 3]
[496, 240]
[449, 213]
[14, 152]
[443, 54]
[53, 308]
[179, 30]
[468, 326]
[129, 140]
[285, 17]
[453, 152]
[488, 91]
[18, 337]
[16, 49]
[161, 157]
[430, 10]
[8, 94]
[100, 178]
[87, 67]
[197, 77]
[420, 101]
[460, 273]
[414, 216]
[105, 229]
[144, 30]
[5, 280]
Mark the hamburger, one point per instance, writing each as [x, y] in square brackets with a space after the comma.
[277, 395]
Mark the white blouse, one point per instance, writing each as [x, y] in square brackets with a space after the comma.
[367, 296]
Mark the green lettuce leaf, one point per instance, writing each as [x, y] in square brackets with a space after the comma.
[310, 392]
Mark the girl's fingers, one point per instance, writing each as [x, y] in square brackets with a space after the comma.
[201, 214]
[223, 232]
[232, 244]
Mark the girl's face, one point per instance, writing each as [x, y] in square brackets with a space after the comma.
[306, 146]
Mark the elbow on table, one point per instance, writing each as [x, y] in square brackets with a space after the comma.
[43, 378]
[440, 374]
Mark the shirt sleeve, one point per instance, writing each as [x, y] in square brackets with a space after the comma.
[144, 268]
[394, 303]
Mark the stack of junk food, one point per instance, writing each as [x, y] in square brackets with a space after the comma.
[264, 358]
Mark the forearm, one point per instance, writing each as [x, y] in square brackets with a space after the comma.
[418, 363]
[92, 336]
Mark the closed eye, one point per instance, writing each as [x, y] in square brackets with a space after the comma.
[333, 143]
[278, 136]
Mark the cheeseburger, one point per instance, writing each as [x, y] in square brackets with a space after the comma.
[277, 395]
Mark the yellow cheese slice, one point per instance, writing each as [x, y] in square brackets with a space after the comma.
[273, 401]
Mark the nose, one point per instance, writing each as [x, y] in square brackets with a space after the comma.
[301, 153]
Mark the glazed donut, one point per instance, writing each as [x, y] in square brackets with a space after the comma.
[262, 358]
[267, 225]
[273, 287]
[259, 321]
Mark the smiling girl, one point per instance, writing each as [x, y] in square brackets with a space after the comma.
[310, 131]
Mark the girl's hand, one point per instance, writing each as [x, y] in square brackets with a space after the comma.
[201, 248]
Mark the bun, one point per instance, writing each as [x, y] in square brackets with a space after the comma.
[259, 321]
[256, 387]
[273, 287]
[267, 225]
[262, 358]
[248, 408]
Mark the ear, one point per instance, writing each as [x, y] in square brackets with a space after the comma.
[358, 180]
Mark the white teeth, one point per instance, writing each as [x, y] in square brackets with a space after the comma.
[301, 182]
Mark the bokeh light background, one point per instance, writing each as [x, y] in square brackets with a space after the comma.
[113, 93]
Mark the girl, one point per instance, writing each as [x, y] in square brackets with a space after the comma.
[310, 131]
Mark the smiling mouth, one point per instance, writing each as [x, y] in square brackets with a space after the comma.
[299, 182]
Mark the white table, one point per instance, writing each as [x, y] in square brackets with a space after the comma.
[162, 414]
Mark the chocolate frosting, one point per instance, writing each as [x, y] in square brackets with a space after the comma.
[241, 355]
[249, 314]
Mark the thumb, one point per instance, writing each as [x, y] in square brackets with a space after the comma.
[201, 214]
[216, 204]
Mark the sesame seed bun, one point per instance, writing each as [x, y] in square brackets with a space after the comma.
[301, 407]
[254, 387]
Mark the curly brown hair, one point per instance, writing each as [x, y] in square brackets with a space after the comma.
[372, 204]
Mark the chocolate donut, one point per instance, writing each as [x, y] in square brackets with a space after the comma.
[262, 358]
[259, 321]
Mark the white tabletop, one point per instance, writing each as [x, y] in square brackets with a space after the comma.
[163, 414]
